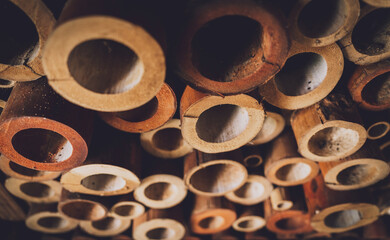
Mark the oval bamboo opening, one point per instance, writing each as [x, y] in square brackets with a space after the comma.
[53, 222]
[83, 210]
[225, 57]
[160, 191]
[343, 218]
[283, 205]
[105, 66]
[106, 224]
[129, 210]
[293, 172]
[141, 113]
[36, 189]
[6, 83]
[291, 223]
[378, 130]
[250, 190]
[213, 222]
[160, 233]
[103, 182]
[253, 161]
[253, 223]
[24, 171]
[168, 139]
[357, 174]
[376, 92]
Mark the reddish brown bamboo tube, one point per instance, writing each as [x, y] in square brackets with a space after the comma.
[309, 75]
[378, 3]
[23, 40]
[211, 215]
[284, 166]
[252, 156]
[106, 227]
[369, 86]
[249, 218]
[147, 117]
[273, 125]
[376, 230]
[129, 59]
[328, 130]
[368, 42]
[218, 124]
[57, 131]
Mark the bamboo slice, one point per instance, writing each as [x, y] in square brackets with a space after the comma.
[280, 199]
[309, 75]
[10, 209]
[132, 48]
[106, 227]
[153, 114]
[378, 3]
[284, 166]
[273, 125]
[23, 40]
[127, 210]
[328, 130]
[37, 192]
[252, 156]
[378, 130]
[219, 124]
[376, 123]
[57, 131]
[250, 219]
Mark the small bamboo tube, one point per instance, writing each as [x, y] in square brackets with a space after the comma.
[376, 230]
[153, 114]
[273, 125]
[127, 208]
[284, 166]
[219, 124]
[376, 123]
[6, 84]
[309, 75]
[45, 218]
[378, 3]
[23, 40]
[106, 227]
[280, 199]
[328, 130]
[252, 156]
[249, 219]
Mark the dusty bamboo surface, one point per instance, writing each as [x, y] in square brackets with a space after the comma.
[23, 40]
[36, 114]
[249, 218]
[153, 114]
[127, 209]
[280, 199]
[252, 156]
[328, 130]
[106, 227]
[309, 75]
[378, 3]
[10, 209]
[132, 47]
[273, 125]
[284, 166]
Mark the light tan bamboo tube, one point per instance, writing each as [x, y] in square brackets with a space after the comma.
[37, 192]
[252, 156]
[166, 141]
[368, 42]
[214, 174]
[280, 199]
[45, 218]
[249, 219]
[376, 230]
[309, 75]
[273, 125]
[6, 84]
[255, 190]
[328, 130]
[147, 117]
[127, 210]
[378, 3]
[378, 130]
[106, 227]
[284, 166]
[211, 215]
[219, 123]
[21, 48]
[130, 48]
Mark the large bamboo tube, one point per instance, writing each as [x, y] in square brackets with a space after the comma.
[249, 219]
[218, 124]
[106, 227]
[147, 117]
[368, 42]
[309, 75]
[127, 209]
[370, 85]
[378, 3]
[55, 130]
[328, 130]
[273, 125]
[23, 40]
[80, 55]
[284, 166]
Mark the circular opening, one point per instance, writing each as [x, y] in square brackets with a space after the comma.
[250, 224]
[293, 172]
[333, 141]
[212, 222]
[222, 123]
[141, 113]
[105, 66]
[218, 178]
[291, 223]
[250, 190]
[378, 130]
[84, 211]
[103, 182]
[42, 145]
[284, 205]
[128, 210]
[357, 174]
[301, 74]
[377, 91]
[321, 18]
[25, 171]
[20, 39]
[160, 191]
[108, 223]
[160, 233]
[53, 222]
[36, 189]
[168, 139]
[371, 35]
[227, 48]
[253, 161]
[343, 219]
[4, 82]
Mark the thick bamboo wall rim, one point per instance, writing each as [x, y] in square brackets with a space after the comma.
[280, 200]
[249, 223]
[106, 227]
[50, 222]
[127, 210]
[273, 125]
[174, 229]
[378, 130]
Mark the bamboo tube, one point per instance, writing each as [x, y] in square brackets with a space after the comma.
[153, 114]
[214, 174]
[106, 227]
[57, 131]
[328, 130]
[378, 130]
[255, 190]
[212, 60]
[309, 75]
[130, 47]
[280, 199]
[45, 218]
[23, 40]
[273, 125]
[368, 42]
[376, 230]
[369, 86]
[376, 123]
[378, 3]
[211, 215]
[6, 84]
[219, 124]
[252, 156]
[249, 219]
[127, 210]
[284, 166]
[166, 141]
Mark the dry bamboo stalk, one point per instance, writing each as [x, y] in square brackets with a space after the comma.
[249, 219]
[218, 124]
[309, 75]
[378, 3]
[273, 125]
[280, 199]
[328, 130]
[153, 114]
[252, 156]
[106, 227]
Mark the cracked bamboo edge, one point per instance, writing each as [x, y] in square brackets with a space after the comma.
[37, 192]
[106, 227]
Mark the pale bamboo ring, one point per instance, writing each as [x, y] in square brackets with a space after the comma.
[37, 192]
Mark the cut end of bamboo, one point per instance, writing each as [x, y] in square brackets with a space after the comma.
[106, 227]
[6, 83]
[37, 192]
[273, 125]
[289, 222]
[159, 229]
[82, 210]
[249, 224]
[127, 210]
[50, 222]
[212, 221]
[252, 161]
[378, 130]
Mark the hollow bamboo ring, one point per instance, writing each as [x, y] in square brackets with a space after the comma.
[37, 192]
[384, 126]
[176, 230]
[249, 224]
[82, 210]
[106, 227]
[252, 161]
[127, 210]
[273, 125]
[212, 221]
[46, 222]
[274, 222]
[6, 83]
